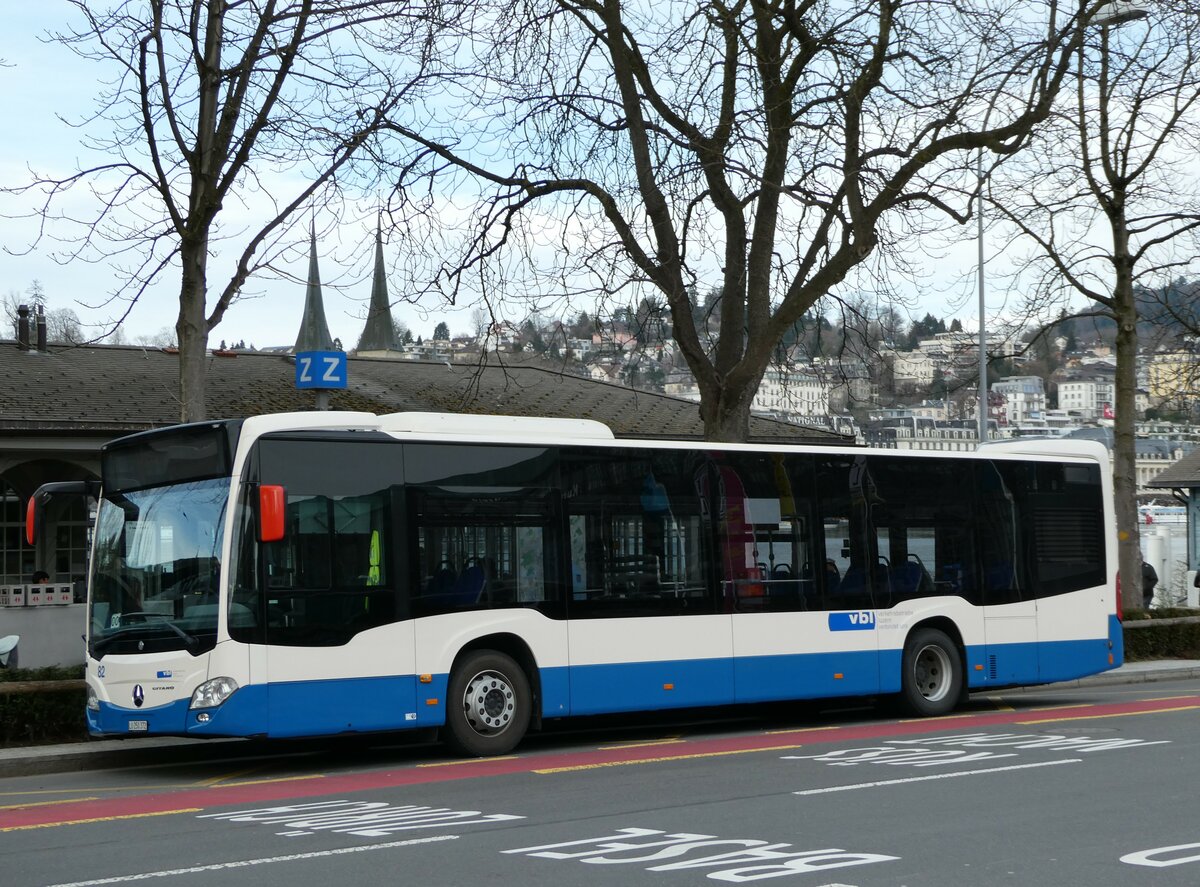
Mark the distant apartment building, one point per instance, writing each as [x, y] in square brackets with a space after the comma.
[915, 368]
[900, 429]
[1024, 399]
[1089, 396]
[1173, 380]
[791, 391]
[849, 383]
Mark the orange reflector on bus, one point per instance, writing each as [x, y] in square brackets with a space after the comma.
[979, 668]
[426, 679]
[668, 686]
[431, 702]
[838, 676]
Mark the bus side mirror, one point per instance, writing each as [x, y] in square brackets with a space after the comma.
[33, 514]
[272, 507]
[36, 506]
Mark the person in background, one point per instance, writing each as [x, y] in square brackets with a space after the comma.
[1149, 580]
[41, 577]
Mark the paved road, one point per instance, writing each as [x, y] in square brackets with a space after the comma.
[1066, 786]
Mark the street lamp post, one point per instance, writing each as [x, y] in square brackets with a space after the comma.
[1111, 15]
[982, 405]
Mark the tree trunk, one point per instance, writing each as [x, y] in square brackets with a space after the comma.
[725, 411]
[191, 328]
[1129, 551]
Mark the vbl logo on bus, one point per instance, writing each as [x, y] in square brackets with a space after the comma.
[862, 620]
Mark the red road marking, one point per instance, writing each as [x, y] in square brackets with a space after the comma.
[269, 792]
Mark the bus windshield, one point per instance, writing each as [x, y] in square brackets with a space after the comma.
[156, 568]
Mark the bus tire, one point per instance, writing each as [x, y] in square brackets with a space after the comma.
[931, 679]
[488, 705]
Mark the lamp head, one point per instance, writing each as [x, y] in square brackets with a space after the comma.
[1117, 13]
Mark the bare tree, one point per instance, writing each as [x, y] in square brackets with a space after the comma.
[1119, 158]
[776, 146]
[223, 109]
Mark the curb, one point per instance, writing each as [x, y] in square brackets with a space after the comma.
[106, 755]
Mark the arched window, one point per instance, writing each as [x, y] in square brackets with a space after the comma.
[16, 558]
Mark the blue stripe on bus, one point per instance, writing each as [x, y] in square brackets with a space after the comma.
[645, 686]
[807, 675]
[115, 719]
[310, 708]
[350, 705]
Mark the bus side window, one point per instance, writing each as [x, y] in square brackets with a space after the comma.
[637, 539]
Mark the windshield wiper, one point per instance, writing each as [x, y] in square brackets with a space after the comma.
[102, 644]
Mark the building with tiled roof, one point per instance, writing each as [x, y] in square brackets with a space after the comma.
[59, 406]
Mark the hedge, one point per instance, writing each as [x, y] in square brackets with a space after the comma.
[52, 712]
[1172, 633]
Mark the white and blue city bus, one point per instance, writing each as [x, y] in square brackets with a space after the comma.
[323, 573]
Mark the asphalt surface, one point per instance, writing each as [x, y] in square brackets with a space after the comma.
[140, 751]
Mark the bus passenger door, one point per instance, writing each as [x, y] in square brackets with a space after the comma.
[804, 623]
[644, 629]
[339, 654]
[1010, 610]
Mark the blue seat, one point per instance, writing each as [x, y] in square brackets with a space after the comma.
[909, 579]
[469, 586]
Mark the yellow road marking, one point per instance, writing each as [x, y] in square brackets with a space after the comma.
[660, 760]
[1123, 714]
[24, 828]
[214, 780]
[799, 730]
[45, 803]
[469, 761]
[106, 788]
[1060, 707]
[265, 781]
[648, 742]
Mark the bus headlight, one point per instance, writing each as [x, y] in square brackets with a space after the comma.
[212, 693]
[93, 701]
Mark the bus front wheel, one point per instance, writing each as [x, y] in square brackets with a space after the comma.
[488, 705]
[932, 677]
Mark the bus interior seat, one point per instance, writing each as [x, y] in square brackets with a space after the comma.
[909, 579]
[442, 581]
[468, 587]
[852, 584]
[999, 576]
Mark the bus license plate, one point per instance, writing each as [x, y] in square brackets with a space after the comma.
[139, 726]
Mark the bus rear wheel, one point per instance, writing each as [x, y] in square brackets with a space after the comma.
[488, 705]
[931, 679]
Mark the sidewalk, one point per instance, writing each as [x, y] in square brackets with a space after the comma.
[111, 753]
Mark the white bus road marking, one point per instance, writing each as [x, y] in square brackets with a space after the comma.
[369, 819]
[1161, 857]
[266, 860]
[886, 782]
[733, 860]
[965, 747]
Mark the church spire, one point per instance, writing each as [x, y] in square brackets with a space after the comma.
[378, 334]
[314, 331]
